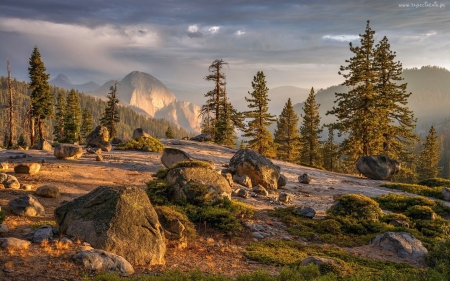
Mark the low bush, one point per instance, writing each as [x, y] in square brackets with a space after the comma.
[420, 213]
[140, 143]
[161, 173]
[356, 206]
[416, 189]
[38, 224]
[439, 257]
[400, 203]
[159, 192]
[434, 182]
[191, 164]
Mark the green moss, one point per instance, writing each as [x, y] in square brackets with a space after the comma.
[38, 224]
[434, 182]
[138, 144]
[170, 213]
[416, 189]
[191, 164]
[356, 206]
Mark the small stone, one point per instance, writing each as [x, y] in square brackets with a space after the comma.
[3, 230]
[284, 197]
[242, 193]
[209, 241]
[99, 158]
[305, 178]
[14, 243]
[100, 260]
[42, 233]
[26, 187]
[27, 205]
[282, 181]
[66, 240]
[307, 212]
[243, 180]
[259, 189]
[49, 191]
[257, 235]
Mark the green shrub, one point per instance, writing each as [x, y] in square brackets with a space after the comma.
[159, 192]
[416, 189]
[191, 164]
[356, 206]
[38, 224]
[169, 213]
[400, 203]
[2, 216]
[139, 143]
[331, 226]
[420, 213]
[434, 182]
[161, 173]
[439, 256]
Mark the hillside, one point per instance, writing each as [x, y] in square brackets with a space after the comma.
[63, 81]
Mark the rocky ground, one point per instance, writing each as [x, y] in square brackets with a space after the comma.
[210, 252]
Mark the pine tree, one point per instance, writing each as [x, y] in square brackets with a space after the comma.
[111, 116]
[242, 145]
[427, 162]
[22, 142]
[330, 152]
[261, 138]
[58, 129]
[169, 133]
[87, 124]
[286, 134]
[72, 118]
[310, 131]
[41, 96]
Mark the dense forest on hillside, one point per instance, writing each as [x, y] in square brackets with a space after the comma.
[129, 119]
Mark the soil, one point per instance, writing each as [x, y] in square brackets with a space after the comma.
[211, 251]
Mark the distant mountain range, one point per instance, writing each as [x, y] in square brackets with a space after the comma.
[63, 81]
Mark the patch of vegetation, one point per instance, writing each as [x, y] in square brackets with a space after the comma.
[439, 257]
[420, 213]
[139, 143]
[159, 192]
[38, 224]
[161, 173]
[400, 203]
[192, 164]
[169, 213]
[2, 216]
[416, 189]
[356, 206]
[434, 182]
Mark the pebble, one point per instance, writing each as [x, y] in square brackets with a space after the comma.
[258, 235]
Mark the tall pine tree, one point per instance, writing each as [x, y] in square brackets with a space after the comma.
[330, 152]
[427, 162]
[310, 131]
[87, 124]
[260, 137]
[58, 129]
[72, 118]
[111, 116]
[41, 96]
[286, 134]
[169, 133]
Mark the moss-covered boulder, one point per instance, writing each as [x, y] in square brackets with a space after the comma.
[116, 219]
[356, 206]
[172, 156]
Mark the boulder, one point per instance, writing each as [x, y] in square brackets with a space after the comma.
[306, 212]
[68, 151]
[99, 134]
[171, 156]
[26, 187]
[139, 132]
[202, 138]
[49, 191]
[94, 151]
[259, 168]
[117, 219]
[284, 197]
[44, 145]
[175, 226]
[3, 230]
[104, 146]
[9, 181]
[403, 244]
[42, 233]
[14, 243]
[282, 181]
[378, 167]
[243, 180]
[305, 178]
[446, 193]
[27, 205]
[3, 166]
[99, 158]
[27, 168]
[259, 189]
[228, 176]
[242, 193]
[186, 182]
[99, 260]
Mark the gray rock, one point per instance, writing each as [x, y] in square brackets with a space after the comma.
[48, 191]
[306, 212]
[305, 178]
[99, 158]
[68, 151]
[257, 235]
[9, 181]
[284, 197]
[201, 138]
[184, 181]
[174, 227]
[402, 244]
[99, 136]
[44, 145]
[99, 260]
[446, 193]
[229, 177]
[42, 233]
[243, 180]
[27, 168]
[139, 132]
[14, 243]
[259, 189]
[3, 230]
[242, 193]
[171, 156]
[117, 219]
[282, 181]
[378, 167]
[259, 168]
[27, 205]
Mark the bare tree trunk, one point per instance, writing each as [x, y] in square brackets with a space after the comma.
[31, 130]
[11, 108]
[40, 128]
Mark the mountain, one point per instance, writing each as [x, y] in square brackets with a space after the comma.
[64, 82]
[142, 90]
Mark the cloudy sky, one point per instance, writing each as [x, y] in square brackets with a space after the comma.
[298, 43]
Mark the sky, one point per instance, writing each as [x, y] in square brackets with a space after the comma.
[297, 43]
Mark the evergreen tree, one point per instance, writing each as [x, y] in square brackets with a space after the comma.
[310, 131]
[41, 96]
[58, 129]
[72, 118]
[427, 162]
[22, 142]
[330, 152]
[242, 146]
[87, 124]
[111, 116]
[286, 134]
[169, 133]
[261, 138]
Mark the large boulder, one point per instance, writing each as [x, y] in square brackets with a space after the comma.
[8, 181]
[27, 205]
[99, 137]
[403, 244]
[139, 132]
[378, 167]
[116, 219]
[260, 169]
[99, 260]
[27, 168]
[68, 151]
[44, 145]
[187, 183]
[171, 156]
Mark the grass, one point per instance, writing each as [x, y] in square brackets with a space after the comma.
[434, 182]
[38, 224]
[140, 143]
[423, 190]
